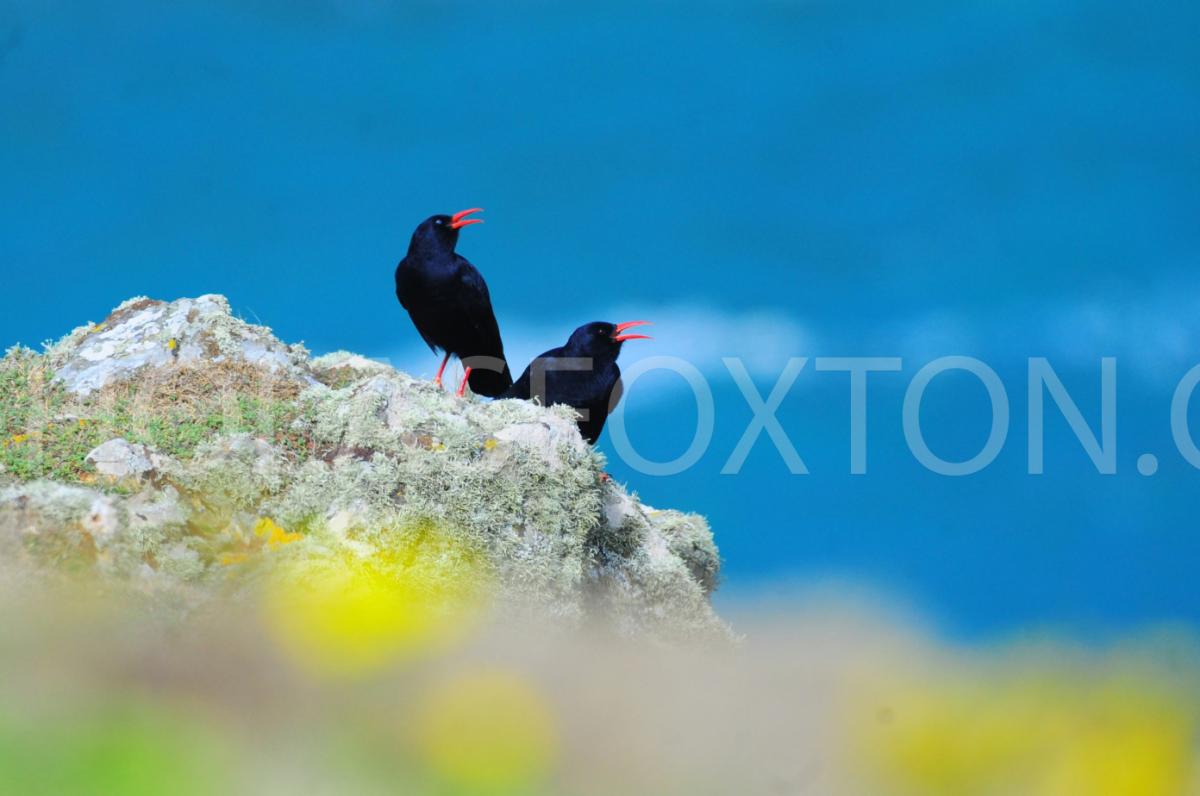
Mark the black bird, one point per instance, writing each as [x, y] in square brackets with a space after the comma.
[582, 374]
[449, 304]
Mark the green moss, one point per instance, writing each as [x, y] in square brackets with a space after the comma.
[16, 397]
[180, 430]
[47, 433]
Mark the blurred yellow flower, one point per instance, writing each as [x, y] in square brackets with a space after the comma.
[1126, 739]
[487, 732]
[348, 610]
[1032, 735]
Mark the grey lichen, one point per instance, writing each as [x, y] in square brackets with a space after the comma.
[146, 333]
[302, 457]
[690, 539]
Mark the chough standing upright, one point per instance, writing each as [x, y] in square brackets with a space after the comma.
[582, 374]
[449, 304]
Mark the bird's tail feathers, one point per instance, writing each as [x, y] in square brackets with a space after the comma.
[490, 376]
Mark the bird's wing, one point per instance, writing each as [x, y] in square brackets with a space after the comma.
[404, 292]
[615, 394]
[599, 410]
[486, 340]
[483, 317]
[402, 283]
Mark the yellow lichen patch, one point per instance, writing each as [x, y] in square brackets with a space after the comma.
[348, 606]
[1028, 733]
[487, 732]
[490, 443]
[268, 530]
[231, 558]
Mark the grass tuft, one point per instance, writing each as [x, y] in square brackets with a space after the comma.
[45, 432]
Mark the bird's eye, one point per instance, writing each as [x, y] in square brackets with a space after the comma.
[437, 221]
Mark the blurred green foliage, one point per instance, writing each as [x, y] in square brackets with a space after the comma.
[130, 748]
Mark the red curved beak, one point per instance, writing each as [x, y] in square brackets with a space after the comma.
[620, 337]
[460, 220]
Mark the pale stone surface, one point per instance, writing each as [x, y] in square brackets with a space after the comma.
[545, 438]
[119, 459]
[146, 333]
[330, 367]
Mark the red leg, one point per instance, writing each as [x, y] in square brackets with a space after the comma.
[438, 379]
[462, 388]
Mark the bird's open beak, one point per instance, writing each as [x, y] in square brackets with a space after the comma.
[460, 220]
[620, 337]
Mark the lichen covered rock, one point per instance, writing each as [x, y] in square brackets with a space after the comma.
[119, 459]
[145, 333]
[181, 450]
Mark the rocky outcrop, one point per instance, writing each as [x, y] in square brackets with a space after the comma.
[145, 333]
[178, 449]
